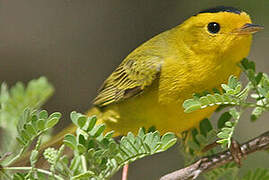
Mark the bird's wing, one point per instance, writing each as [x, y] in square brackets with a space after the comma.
[129, 79]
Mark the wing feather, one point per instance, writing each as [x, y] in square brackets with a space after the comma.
[129, 79]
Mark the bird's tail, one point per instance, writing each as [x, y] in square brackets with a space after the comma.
[56, 141]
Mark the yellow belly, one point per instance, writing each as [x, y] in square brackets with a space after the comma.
[145, 111]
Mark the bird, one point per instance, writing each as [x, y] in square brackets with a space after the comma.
[150, 85]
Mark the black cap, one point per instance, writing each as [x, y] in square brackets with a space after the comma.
[221, 9]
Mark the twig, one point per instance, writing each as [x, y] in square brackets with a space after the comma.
[17, 156]
[38, 170]
[211, 162]
[125, 172]
[84, 163]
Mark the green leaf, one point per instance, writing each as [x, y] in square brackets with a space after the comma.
[141, 132]
[20, 140]
[226, 98]
[74, 116]
[81, 149]
[81, 140]
[25, 135]
[204, 101]
[98, 130]
[87, 174]
[212, 99]
[81, 121]
[70, 141]
[256, 113]
[19, 176]
[43, 114]
[227, 172]
[234, 113]
[233, 82]
[223, 135]
[168, 140]
[194, 133]
[75, 163]
[226, 116]
[248, 64]
[194, 145]
[51, 122]
[55, 115]
[191, 105]
[41, 124]
[201, 139]
[216, 91]
[237, 89]
[228, 124]
[92, 123]
[251, 76]
[33, 157]
[224, 143]
[152, 129]
[226, 87]
[30, 129]
[34, 121]
[109, 135]
[258, 77]
[219, 98]
[227, 131]
[257, 174]
[205, 126]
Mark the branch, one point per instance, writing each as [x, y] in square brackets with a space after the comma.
[211, 162]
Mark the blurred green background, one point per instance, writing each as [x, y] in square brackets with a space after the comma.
[76, 44]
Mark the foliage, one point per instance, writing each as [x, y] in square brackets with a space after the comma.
[228, 172]
[236, 97]
[257, 174]
[96, 155]
[101, 155]
[13, 103]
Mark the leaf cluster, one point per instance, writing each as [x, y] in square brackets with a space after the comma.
[237, 98]
[102, 155]
[96, 154]
[14, 102]
[33, 124]
[234, 95]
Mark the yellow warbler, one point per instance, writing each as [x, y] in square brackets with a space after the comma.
[149, 86]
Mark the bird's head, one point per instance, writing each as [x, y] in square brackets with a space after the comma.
[224, 31]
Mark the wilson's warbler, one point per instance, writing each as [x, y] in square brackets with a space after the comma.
[149, 86]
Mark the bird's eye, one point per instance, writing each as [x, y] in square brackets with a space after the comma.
[213, 27]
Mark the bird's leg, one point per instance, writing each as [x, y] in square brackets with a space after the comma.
[125, 172]
[234, 149]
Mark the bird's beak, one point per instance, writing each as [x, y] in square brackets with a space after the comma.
[249, 29]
